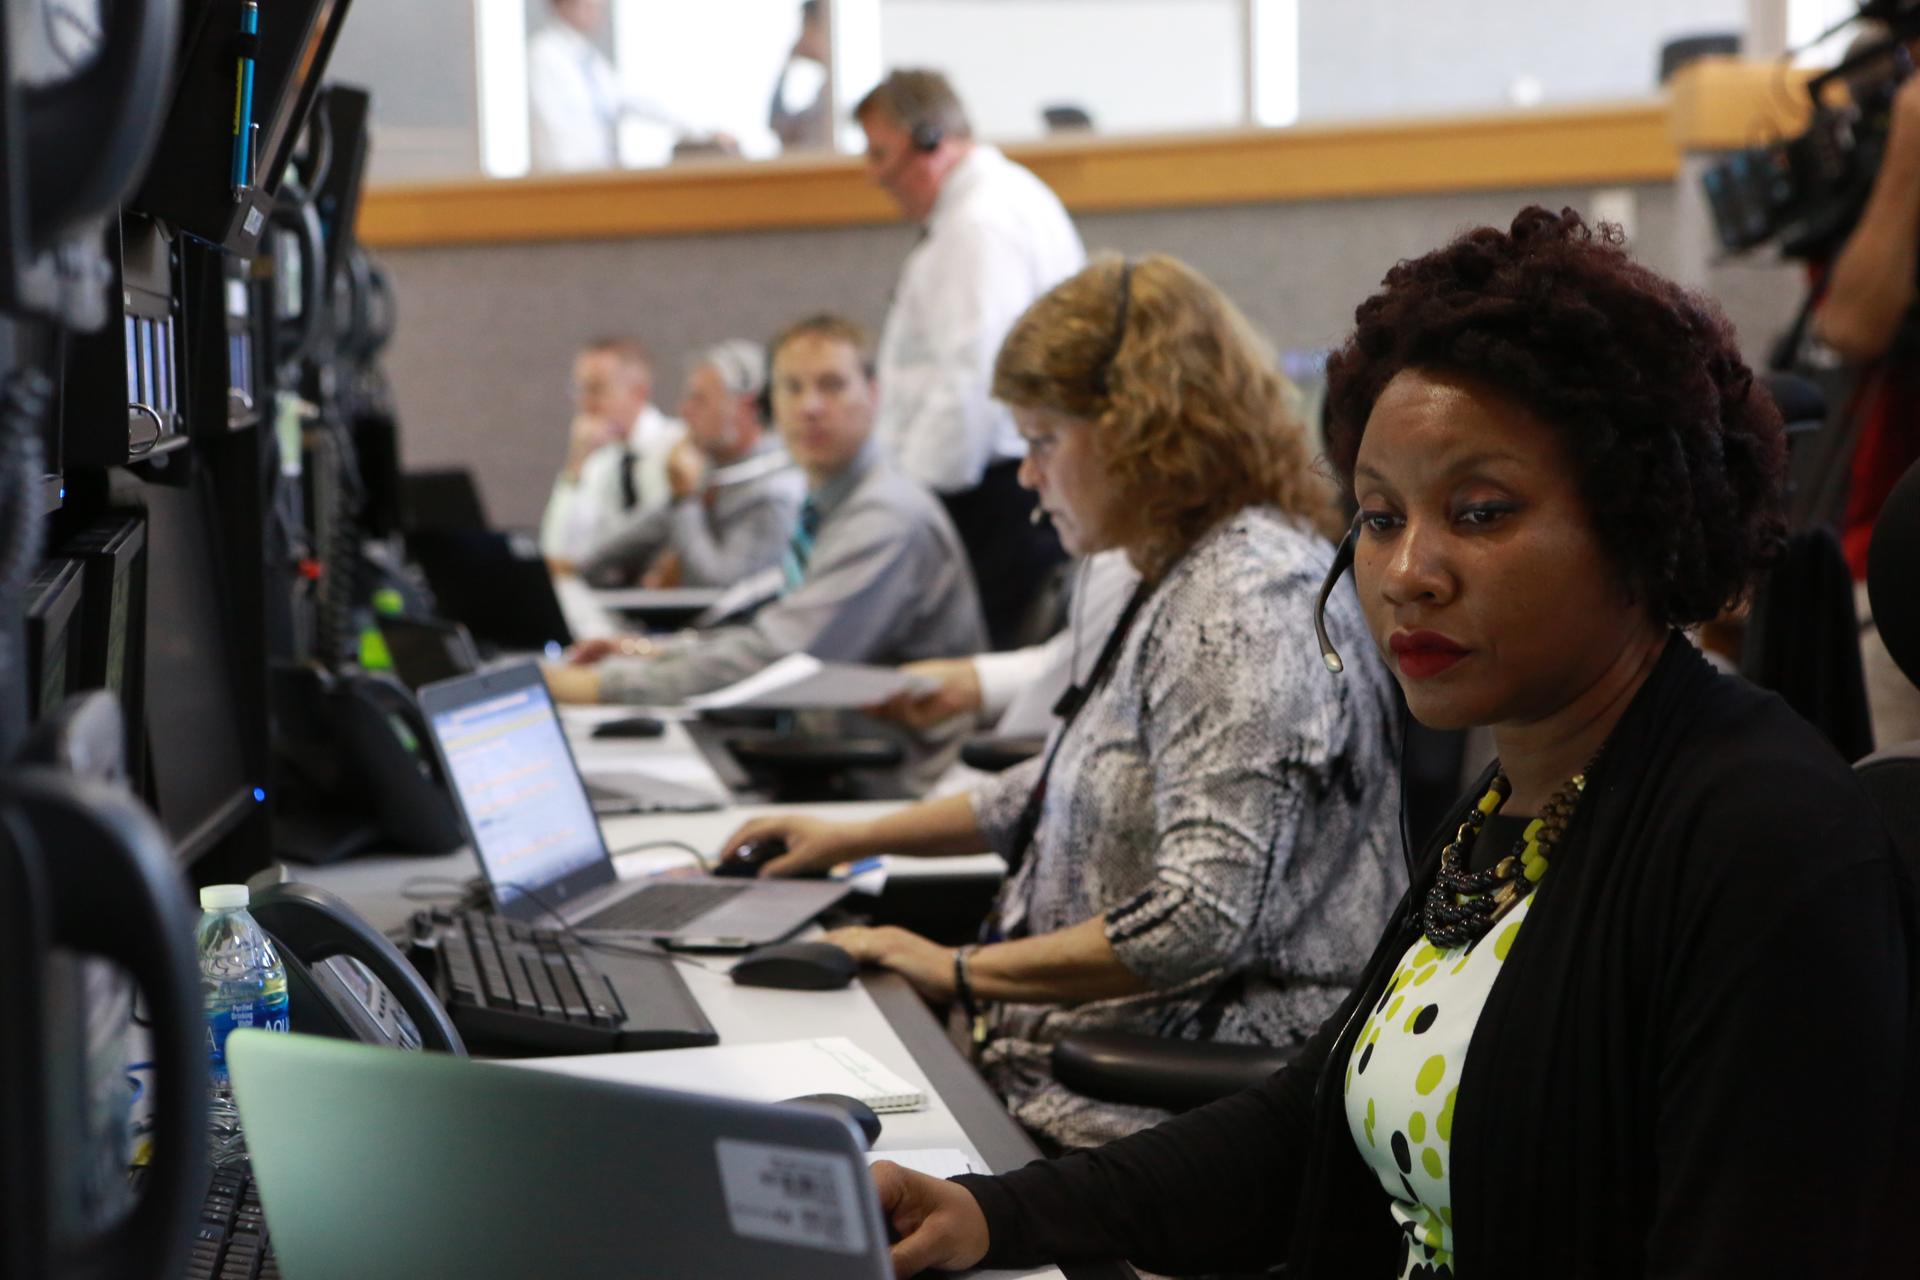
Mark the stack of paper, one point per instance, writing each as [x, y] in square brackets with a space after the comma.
[769, 1072]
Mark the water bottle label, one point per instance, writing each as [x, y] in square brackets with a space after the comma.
[269, 1013]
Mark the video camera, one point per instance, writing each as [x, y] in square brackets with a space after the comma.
[1808, 192]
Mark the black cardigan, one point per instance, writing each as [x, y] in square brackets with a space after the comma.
[1700, 1058]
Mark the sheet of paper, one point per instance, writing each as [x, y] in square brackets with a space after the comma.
[642, 598]
[935, 1162]
[744, 594]
[801, 680]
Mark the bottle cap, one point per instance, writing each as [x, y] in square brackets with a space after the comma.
[223, 897]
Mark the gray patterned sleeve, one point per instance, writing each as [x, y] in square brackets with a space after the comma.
[1236, 726]
[999, 800]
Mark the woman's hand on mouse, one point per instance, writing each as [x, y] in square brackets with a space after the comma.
[812, 844]
[939, 1223]
[927, 965]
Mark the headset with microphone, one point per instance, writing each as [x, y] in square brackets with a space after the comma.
[927, 136]
[1342, 561]
[1122, 305]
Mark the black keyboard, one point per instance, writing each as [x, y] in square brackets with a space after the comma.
[664, 907]
[230, 1242]
[522, 987]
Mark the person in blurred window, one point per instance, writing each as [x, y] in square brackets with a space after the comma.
[616, 451]
[994, 238]
[576, 98]
[735, 493]
[802, 115]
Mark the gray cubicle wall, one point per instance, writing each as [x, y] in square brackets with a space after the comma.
[479, 364]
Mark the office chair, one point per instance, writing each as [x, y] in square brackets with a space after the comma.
[442, 498]
[1801, 638]
[1675, 54]
[1892, 774]
[794, 767]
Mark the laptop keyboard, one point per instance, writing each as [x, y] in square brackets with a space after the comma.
[663, 908]
[525, 987]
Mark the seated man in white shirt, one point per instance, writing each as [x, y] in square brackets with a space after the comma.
[616, 451]
[878, 574]
[1015, 691]
[735, 492]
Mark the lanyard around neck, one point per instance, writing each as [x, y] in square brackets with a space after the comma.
[1067, 708]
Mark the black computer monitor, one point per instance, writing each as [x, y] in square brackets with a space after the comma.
[53, 634]
[113, 553]
[190, 182]
[203, 784]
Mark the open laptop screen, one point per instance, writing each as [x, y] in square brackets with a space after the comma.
[532, 824]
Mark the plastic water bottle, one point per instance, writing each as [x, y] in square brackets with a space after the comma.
[245, 986]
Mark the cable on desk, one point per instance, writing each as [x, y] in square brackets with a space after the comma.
[705, 863]
[470, 892]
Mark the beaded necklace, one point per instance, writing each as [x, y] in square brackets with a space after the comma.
[1462, 905]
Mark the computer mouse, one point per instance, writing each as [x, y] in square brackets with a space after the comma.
[855, 1110]
[631, 727]
[796, 966]
[749, 858]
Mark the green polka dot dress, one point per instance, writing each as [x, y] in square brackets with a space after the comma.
[1402, 1078]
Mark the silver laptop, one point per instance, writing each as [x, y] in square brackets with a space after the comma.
[382, 1165]
[513, 776]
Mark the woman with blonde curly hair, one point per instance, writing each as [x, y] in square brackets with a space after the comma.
[1212, 831]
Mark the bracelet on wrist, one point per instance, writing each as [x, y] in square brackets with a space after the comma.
[976, 1021]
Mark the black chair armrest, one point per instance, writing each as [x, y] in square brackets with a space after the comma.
[992, 752]
[1147, 1071]
[793, 753]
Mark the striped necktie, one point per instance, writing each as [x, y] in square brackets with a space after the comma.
[793, 565]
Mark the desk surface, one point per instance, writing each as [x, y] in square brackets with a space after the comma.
[881, 1012]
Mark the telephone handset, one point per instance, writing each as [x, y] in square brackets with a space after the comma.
[384, 728]
[359, 772]
[344, 979]
[85, 872]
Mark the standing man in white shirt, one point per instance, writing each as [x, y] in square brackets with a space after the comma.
[576, 96]
[617, 448]
[994, 238]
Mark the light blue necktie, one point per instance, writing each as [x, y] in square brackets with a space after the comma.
[800, 545]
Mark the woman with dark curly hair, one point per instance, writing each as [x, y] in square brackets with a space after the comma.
[1648, 1006]
[1211, 840]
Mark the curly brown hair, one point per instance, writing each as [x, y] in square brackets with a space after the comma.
[1682, 455]
[1192, 419]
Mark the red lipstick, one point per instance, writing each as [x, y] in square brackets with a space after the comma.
[1422, 655]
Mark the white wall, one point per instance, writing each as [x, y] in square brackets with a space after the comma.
[714, 63]
[1136, 65]
[417, 60]
[1408, 57]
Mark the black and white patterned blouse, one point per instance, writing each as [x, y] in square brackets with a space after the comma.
[1229, 806]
